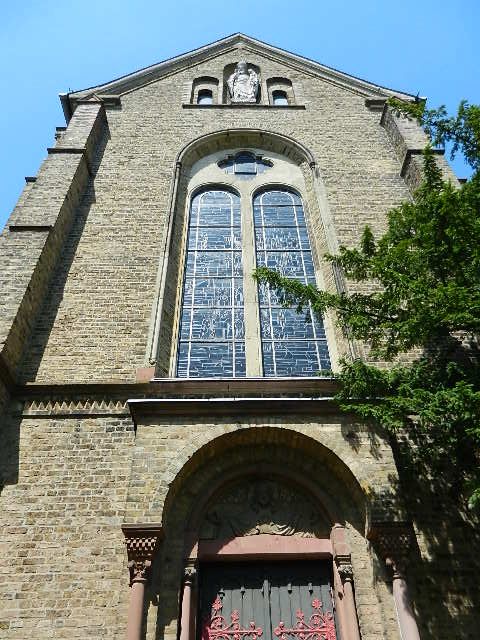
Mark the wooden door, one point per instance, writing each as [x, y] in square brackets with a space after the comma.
[275, 601]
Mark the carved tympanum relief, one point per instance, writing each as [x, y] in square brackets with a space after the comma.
[265, 506]
[243, 84]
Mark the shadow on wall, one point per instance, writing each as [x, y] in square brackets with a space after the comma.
[34, 351]
[10, 446]
[35, 346]
[444, 581]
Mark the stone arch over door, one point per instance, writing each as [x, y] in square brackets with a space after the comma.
[256, 459]
[162, 326]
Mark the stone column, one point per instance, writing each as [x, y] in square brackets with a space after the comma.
[142, 542]
[393, 542]
[345, 571]
[186, 620]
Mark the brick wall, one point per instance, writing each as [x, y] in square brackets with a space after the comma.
[80, 269]
[95, 322]
[62, 568]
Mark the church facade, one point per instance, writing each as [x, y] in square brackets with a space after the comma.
[173, 463]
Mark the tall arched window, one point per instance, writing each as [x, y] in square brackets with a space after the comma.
[218, 269]
[293, 344]
[212, 340]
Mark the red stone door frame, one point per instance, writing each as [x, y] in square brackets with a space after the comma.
[266, 547]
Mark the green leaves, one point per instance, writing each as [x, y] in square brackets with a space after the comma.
[423, 283]
[462, 130]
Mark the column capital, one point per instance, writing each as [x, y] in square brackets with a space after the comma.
[393, 542]
[141, 541]
[189, 574]
[345, 569]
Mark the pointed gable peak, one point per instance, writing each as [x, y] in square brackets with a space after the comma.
[139, 78]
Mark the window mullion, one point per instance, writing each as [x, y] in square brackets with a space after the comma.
[253, 351]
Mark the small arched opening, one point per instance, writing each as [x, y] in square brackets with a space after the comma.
[205, 96]
[279, 98]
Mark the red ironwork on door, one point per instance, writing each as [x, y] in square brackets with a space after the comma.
[277, 601]
[321, 626]
[218, 629]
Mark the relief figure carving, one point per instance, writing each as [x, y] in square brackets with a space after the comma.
[262, 507]
[243, 84]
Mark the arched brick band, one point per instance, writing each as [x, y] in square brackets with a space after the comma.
[142, 541]
[393, 542]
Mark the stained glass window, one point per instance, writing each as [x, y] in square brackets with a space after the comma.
[212, 341]
[245, 165]
[293, 344]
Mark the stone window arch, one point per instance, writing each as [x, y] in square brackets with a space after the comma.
[209, 161]
[229, 327]
[280, 92]
[204, 87]
[275, 567]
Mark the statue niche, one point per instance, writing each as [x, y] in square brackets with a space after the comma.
[262, 506]
[243, 84]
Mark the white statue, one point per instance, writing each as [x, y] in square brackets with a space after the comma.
[243, 84]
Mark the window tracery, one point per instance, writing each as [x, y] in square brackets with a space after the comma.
[214, 320]
[280, 92]
[245, 164]
[212, 328]
[293, 344]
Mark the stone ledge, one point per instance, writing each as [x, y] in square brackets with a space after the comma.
[248, 105]
[30, 227]
[416, 152]
[176, 394]
[375, 104]
[77, 150]
[230, 406]
[189, 387]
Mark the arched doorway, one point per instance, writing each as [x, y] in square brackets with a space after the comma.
[264, 562]
[263, 516]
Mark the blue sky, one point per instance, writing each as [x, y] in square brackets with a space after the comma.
[51, 46]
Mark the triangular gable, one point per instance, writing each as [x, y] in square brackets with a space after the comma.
[137, 79]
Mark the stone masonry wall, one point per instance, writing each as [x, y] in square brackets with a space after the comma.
[70, 480]
[211, 448]
[95, 321]
[63, 566]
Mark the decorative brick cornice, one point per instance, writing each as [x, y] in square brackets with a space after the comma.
[74, 405]
[393, 541]
[142, 542]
